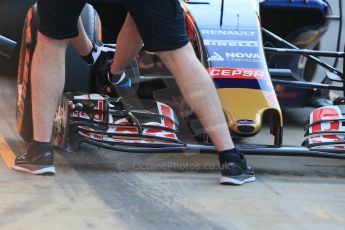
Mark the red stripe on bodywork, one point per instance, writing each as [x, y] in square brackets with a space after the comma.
[166, 111]
[239, 73]
[324, 114]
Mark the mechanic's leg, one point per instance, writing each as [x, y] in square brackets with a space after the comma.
[127, 46]
[82, 43]
[199, 91]
[57, 25]
[47, 83]
[90, 52]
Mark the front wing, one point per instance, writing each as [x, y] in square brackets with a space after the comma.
[113, 121]
[143, 126]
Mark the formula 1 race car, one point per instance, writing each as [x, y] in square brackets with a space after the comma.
[249, 64]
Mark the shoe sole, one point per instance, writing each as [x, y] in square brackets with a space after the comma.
[43, 171]
[233, 181]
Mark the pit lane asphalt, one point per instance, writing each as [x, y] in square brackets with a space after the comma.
[100, 189]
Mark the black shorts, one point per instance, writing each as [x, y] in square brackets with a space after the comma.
[160, 22]
[59, 18]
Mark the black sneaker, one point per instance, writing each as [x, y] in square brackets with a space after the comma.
[99, 56]
[235, 170]
[38, 164]
[102, 56]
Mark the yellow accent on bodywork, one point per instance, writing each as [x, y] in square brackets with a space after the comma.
[246, 104]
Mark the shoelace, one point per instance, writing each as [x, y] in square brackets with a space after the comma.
[23, 156]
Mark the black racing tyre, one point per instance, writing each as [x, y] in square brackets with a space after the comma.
[60, 136]
[78, 74]
[24, 112]
[79, 77]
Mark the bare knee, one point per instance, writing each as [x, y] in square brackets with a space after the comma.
[174, 55]
[45, 41]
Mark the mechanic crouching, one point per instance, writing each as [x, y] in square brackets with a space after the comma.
[159, 24]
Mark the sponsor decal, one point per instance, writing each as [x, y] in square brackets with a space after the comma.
[242, 57]
[239, 73]
[245, 122]
[235, 57]
[60, 115]
[229, 32]
[230, 43]
[215, 57]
